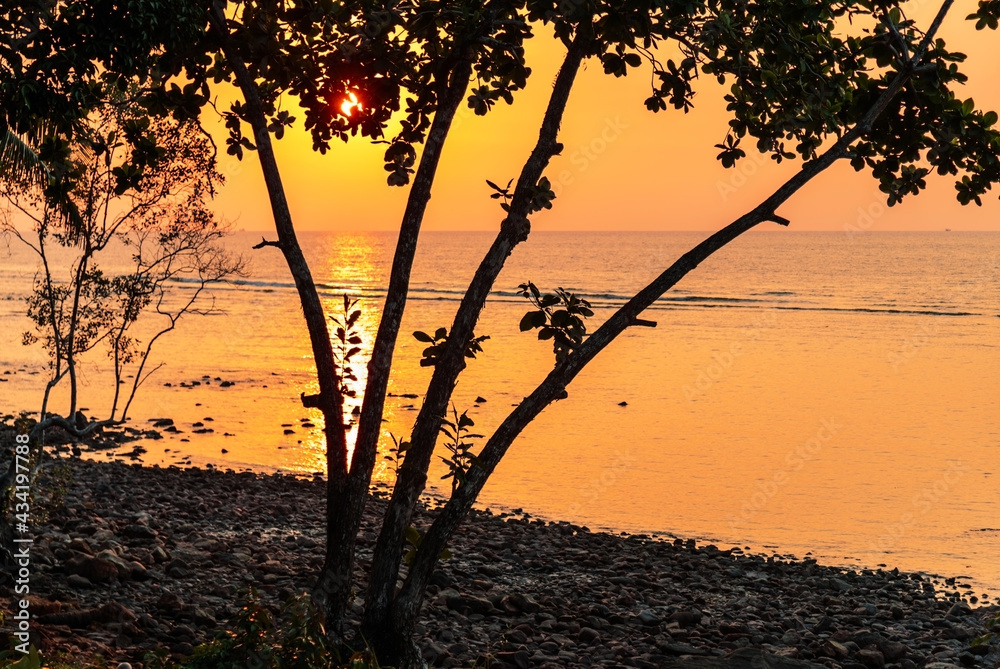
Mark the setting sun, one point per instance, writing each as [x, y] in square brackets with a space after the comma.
[350, 104]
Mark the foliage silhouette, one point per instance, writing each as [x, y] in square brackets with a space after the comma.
[814, 83]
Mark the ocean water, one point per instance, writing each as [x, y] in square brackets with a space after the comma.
[802, 393]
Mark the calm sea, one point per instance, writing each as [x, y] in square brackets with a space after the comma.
[803, 392]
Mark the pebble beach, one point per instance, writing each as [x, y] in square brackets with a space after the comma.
[132, 558]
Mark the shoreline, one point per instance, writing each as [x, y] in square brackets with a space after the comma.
[165, 552]
[128, 444]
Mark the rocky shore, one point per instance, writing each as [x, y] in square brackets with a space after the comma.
[131, 559]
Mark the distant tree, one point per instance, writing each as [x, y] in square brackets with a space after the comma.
[155, 216]
[816, 82]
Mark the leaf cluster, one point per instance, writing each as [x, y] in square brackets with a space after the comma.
[348, 343]
[459, 445]
[137, 181]
[540, 195]
[437, 341]
[558, 316]
[396, 452]
[295, 638]
[393, 57]
[800, 75]
[415, 538]
[987, 15]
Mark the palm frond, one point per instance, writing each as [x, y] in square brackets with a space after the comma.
[21, 164]
[18, 161]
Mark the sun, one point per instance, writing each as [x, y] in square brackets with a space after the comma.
[350, 104]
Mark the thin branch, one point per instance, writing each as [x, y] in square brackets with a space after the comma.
[264, 242]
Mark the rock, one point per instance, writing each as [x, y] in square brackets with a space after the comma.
[522, 603]
[203, 617]
[684, 618]
[872, 659]
[441, 579]
[169, 601]
[790, 639]
[549, 647]
[517, 658]
[139, 572]
[93, 569]
[587, 596]
[473, 604]
[647, 617]
[958, 610]
[840, 584]
[434, 652]
[80, 546]
[182, 648]
[893, 651]
[836, 650]
[825, 624]
[967, 658]
[743, 658]
[124, 568]
[77, 581]
[684, 649]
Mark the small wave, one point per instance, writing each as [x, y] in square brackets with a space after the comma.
[700, 298]
[666, 302]
[866, 310]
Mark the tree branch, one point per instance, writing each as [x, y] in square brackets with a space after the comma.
[312, 307]
[264, 242]
[413, 472]
[555, 383]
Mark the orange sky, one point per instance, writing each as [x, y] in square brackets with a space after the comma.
[623, 167]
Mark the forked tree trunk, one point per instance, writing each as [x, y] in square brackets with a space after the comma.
[346, 505]
[392, 638]
[399, 621]
[333, 591]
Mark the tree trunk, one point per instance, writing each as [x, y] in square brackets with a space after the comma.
[333, 592]
[346, 507]
[413, 472]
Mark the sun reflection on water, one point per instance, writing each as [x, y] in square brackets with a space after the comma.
[348, 269]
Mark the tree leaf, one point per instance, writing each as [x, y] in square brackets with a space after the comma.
[528, 321]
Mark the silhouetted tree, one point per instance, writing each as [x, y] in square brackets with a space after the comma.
[815, 82]
[156, 214]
